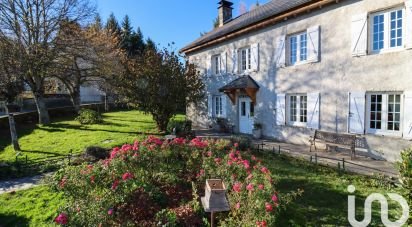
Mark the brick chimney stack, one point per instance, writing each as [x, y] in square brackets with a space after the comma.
[225, 12]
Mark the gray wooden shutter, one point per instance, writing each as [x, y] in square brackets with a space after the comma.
[407, 116]
[235, 68]
[280, 109]
[280, 51]
[356, 116]
[313, 110]
[254, 48]
[210, 106]
[313, 43]
[223, 62]
[408, 18]
[360, 34]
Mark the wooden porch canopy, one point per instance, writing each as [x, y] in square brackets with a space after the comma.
[245, 84]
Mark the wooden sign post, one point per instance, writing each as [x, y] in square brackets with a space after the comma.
[13, 133]
[215, 198]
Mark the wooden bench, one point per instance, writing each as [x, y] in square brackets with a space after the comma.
[336, 139]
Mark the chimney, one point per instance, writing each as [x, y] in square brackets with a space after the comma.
[225, 12]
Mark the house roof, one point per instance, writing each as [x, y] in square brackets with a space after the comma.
[256, 15]
[240, 83]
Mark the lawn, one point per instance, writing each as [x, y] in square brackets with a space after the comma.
[63, 136]
[324, 201]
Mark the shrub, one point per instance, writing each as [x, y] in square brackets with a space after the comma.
[110, 192]
[98, 153]
[405, 169]
[87, 116]
[183, 127]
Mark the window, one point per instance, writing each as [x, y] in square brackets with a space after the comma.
[298, 51]
[298, 110]
[216, 64]
[384, 113]
[387, 30]
[218, 106]
[245, 59]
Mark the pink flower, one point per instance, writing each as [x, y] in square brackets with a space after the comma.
[136, 145]
[92, 179]
[237, 206]
[264, 170]
[198, 143]
[253, 158]
[229, 163]
[261, 187]
[179, 141]
[114, 152]
[261, 224]
[90, 167]
[246, 164]
[274, 198]
[236, 144]
[110, 211]
[62, 219]
[63, 182]
[268, 207]
[209, 154]
[250, 187]
[237, 187]
[115, 184]
[250, 176]
[127, 147]
[232, 156]
[136, 155]
[127, 176]
[218, 160]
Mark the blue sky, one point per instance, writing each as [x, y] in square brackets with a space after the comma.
[166, 21]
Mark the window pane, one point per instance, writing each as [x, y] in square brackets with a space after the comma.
[293, 49]
[243, 108]
[303, 109]
[394, 115]
[396, 29]
[375, 112]
[378, 32]
[249, 64]
[252, 109]
[303, 47]
[293, 108]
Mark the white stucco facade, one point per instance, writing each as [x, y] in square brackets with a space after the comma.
[333, 75]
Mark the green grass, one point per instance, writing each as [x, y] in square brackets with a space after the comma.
[325, 198]
[34, 207]
[63, 136]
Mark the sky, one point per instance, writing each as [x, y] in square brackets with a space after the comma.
[167, 21]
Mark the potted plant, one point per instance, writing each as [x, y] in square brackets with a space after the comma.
[257, 130]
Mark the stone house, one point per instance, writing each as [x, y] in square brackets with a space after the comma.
[295, 66]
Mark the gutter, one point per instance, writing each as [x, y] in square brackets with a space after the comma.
[260, 25]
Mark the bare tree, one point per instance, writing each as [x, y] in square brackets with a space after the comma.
[86, 56]
[29, 28]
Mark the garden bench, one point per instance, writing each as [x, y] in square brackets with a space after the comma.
[335, 139]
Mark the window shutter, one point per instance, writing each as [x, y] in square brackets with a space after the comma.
[209, 65]
[254, 48]
[223, 62]
[407, 116]
[210, 106]
[280, 52]
[280, 109]
[235, 68]
[313, 110]
[313, 43]
[360, 34]
[224, 105]
[356, 116]
[408, 18]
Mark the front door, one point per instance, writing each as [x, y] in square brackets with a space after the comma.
[246, 115]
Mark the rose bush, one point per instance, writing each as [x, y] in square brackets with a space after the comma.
[107, 192]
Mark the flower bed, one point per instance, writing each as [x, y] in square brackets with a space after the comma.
[157, 182]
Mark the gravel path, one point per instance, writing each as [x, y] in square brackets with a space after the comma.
[21, 183]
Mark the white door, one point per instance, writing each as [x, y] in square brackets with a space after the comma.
[246, 115]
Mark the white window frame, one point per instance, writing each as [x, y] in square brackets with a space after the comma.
[384, 115]
[248, 59]
[216, 64]
[298, 37]
[218, 106]
[299, 103]
[387, 31]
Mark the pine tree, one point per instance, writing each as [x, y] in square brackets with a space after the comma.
[97, 24]
[112, 25]
[138, 44]
[150, 44]
[126, 36]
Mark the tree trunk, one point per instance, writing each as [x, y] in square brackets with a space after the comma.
[75, 97]
[44, 117]
[13, 133]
